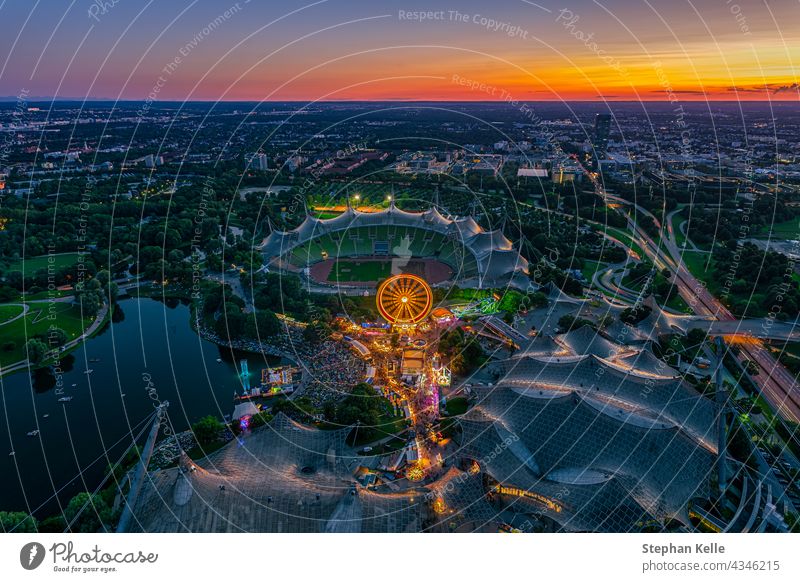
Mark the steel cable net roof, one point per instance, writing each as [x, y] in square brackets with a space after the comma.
[596, 435]
[494, 254]
[460, 502]
[630, 378]
[585, 340]
[671, 401]
[590, 466]
[284, 477]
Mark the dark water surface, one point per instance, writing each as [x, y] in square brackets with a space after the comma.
[148, 339]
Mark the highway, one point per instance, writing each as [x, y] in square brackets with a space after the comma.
[775, 382]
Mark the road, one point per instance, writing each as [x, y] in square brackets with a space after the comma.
[774, 381]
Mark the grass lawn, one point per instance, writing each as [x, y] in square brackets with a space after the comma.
[699, 266]
[677, 220]
[510, 301]
[677, 303]
[33, 264]
[625, 238]
[9, 312]
[361, 271]
[36, 322]
[457, 405]
[463, 294]
[590, 268]
[387, 425]
[55, 293]
[789, 230]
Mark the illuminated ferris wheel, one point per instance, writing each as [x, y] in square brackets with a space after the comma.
[404, 299]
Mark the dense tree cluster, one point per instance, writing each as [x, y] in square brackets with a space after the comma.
[761, 281]
[155, 232]
[463, 350]
[223, 311]
[207, 430]
[363, 405]
[731, 222]
[569, 322]
[634, 315]
[282, 294]
[17, 522]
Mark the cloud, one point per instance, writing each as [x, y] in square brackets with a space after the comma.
[681, 91]
[792, 87]
[766, 88]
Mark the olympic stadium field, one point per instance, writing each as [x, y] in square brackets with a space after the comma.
[370, 270]
[359, 271]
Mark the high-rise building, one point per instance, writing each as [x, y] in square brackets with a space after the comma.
[257, 161]
[151, 161]
[602, 129]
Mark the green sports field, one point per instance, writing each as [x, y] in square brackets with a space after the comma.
[359, 271]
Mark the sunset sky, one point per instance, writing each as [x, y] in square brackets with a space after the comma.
[375, 50]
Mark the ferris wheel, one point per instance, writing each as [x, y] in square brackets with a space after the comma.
[404, 299]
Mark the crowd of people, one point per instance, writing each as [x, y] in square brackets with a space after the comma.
[330, 369]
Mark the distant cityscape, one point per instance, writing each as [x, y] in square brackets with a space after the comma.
[400, 317]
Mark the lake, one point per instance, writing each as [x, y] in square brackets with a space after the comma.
[78, 439]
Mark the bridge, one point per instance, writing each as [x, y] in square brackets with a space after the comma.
[760, 328]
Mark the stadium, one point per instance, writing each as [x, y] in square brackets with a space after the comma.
[360, 248]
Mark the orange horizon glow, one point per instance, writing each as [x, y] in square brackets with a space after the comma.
[402, 76]
[615, 50]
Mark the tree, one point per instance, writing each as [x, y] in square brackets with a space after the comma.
[230, 324]
[267, 323]
[632, 316]
[36, 350]
[695, 336]
[90, 513]
[207, 430]
[18, 522]
[7, 293]
[103, 277]
[57, 337]
[109, 288]
[363, 407]
[568, 322]
[312, 334]
[90, 303]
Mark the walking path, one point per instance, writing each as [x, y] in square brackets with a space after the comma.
[98, 321]
[25, 309]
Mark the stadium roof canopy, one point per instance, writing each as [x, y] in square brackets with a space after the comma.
[496, 257]
[589, 466]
